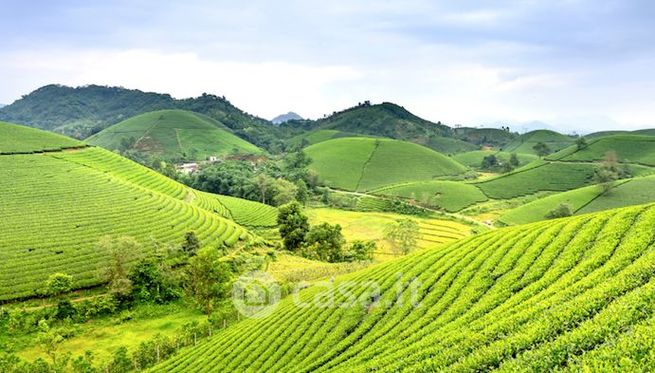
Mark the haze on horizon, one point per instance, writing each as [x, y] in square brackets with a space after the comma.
[579, 65]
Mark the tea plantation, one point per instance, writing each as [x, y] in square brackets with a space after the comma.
[363, 164]
[572, 294]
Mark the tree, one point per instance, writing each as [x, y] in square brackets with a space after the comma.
[324, 242]
[302, 192]
[49, 340]
[58, 284]
[151, 284]
[489, 161]
[360, 250]
[608, 171]
[581, 143]
[514, 160]
[263, 183]
[403, 235]
[542, 149]
[561, 211]
[191, 243]
[122, 251]
[285, 192]
[293, 225]
[207, 279]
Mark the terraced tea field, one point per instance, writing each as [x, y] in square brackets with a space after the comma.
[20, 139]
[364, 164]
[628, 148]
[572, 294]
[445, 195]
[525, 143]
[474, 158]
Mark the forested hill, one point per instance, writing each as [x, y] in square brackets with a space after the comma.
[83, 111]
[393, 121]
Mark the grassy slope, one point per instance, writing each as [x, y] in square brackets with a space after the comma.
[20, 139]
[364, 163]
[57, 205]
[524, 143]
[585, 200]
[447, 195]
[576, 293]
[628, 148]
[174, 134]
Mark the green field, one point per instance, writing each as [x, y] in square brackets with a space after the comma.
[19, 139]
[173, 134]
[576, 294]
[585, 200]
[474, 159]
[628, 148]
[526, 142]
[364, 164]
[446, 195]
[539, 176]
[371, 225]
[56, 206]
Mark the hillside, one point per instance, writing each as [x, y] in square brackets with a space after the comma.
[628, 148]
[495, 137]
[393, 121]
[82, 111]
[362, 164]
[20, 139]
[624, 193]
[85, 194]
[525, 143]
[172, 135]
[572, 294]
[474, 158]
[450, 196]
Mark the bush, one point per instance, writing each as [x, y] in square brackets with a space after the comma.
[324, 242]
[561, 211]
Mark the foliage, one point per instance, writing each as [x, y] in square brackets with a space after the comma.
[58, 284]
[581, 143]
[324, 242]
[541, 149]
[121, 251]
[293, 225]
[191, 244]
[561, 211]
[360, 251]
[153, 282]
[403, 235]
[207, 279]
[489, 162]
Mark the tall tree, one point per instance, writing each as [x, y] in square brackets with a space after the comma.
[293, 225]
[403, 235]
[207, 279]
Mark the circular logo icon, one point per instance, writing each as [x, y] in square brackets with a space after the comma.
[255, 294]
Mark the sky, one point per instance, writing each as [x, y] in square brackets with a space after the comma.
[575, 65]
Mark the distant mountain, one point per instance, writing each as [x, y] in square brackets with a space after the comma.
[2, 105]
[83, 111]
[286, 117]
[195, 136]
[393, 121]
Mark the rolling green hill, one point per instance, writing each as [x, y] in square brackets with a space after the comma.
[82, 111]
[526, 142]
[438, 194]
[574, 294]
[20, 139]
[624, 193]
[364, 164]
[57, 205]
[628, 148]
[173, 134]
[393, 121]
[495, 137]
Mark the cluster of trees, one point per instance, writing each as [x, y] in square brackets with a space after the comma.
[267, 181]
[542, 149]
[323, 242]
[492, 163]
[609, 171]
